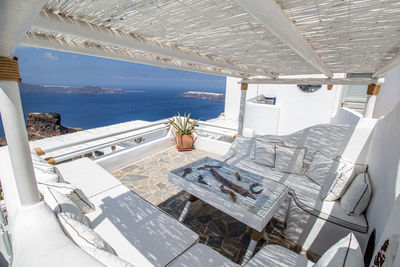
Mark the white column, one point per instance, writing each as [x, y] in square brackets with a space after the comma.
[17, 140]
[372, 92]
[243, 92]
[16, 16]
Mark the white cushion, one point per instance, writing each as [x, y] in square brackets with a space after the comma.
[323, 168]
[75, 194]
[289, 160]
[356, 198]
[61, 203]
[202, 256]
[264, 153]
[107, 258]
[346, 252]
[44, 172]
[335, 187]
[277, 256]
[82, 235]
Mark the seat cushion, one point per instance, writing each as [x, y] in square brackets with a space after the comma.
[346, 253]
[139, 232]
[275, 256]
[88, 176]
[202, 256]
[306, 194]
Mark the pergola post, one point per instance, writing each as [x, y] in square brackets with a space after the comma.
[16, 16]
[372, 92]
[243, 92]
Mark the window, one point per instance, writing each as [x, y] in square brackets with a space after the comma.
[308, 88]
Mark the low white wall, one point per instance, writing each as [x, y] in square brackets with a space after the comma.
[298, 110]
[211, 145]
[384, 169]
[389, 95]
[126, 157]
[346, 116]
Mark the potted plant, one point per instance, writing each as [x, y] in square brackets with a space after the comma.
[184, 131]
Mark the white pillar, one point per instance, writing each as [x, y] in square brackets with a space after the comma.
[17, 140]
[243, 92]
[372, 92]
[16, 16]
[369, 106]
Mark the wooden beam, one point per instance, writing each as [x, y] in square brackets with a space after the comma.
[50, 22]
[373, 89]
[315, 81]
[391, 64]
[269, 14]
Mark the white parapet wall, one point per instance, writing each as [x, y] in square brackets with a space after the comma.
[297, 110]
[121, 158]
[346, 116]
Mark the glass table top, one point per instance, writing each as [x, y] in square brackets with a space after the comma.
[252, 192]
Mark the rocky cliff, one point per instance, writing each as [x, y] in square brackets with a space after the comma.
[204, 95]
[43, 125]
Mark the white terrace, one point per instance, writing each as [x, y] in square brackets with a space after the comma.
[263, 47]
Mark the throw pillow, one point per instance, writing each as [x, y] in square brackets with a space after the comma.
[356, 198]
[106, 258]
[82, 235]
[264, 153]
[61, 203]
[45, 174]
[346, 252]
[335, 187]
[323, 168]
[75, 194]
[289, 160]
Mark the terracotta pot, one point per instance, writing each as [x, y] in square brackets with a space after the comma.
[184, 142]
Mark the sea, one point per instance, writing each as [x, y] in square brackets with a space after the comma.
[91, 111]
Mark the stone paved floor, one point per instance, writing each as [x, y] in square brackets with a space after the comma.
[226, 235]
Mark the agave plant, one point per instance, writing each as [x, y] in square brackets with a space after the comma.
[183, 125]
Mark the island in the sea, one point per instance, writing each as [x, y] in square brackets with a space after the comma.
[204, 95]
[26, 88]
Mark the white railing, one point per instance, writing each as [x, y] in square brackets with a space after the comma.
[139, 136]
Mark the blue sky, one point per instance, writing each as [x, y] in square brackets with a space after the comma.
[48, 67]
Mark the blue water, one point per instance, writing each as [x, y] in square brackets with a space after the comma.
[90, 111]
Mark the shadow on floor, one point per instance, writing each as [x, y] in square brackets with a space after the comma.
[223, 233]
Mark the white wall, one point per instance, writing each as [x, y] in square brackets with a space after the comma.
[384, 169]
[389, 95]
[298, 110]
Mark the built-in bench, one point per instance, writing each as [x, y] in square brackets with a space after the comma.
[138, 231]
[312, 223]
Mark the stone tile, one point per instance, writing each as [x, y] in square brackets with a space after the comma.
[133, 177]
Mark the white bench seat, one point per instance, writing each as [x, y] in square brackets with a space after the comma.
[139, 232]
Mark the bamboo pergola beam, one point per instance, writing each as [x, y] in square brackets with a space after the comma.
[50, 22]
[40, 41]
[316, 81]
[270, 15]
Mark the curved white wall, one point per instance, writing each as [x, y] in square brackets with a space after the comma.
[389, 95]
[298, 110]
